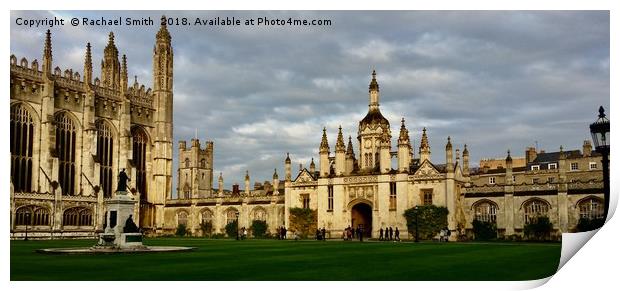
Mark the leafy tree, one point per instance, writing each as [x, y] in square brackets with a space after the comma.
[259, 228]
[540, 229]
[303, 221]
[231, 229]
[484, 230]
[206, 227]
[586, 224]
[181, 230]
[431, 219]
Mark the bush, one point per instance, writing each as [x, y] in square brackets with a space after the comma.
[303, 221]
[431, 219]
[206, 227]
[259, 228]
[182, 230]
[586, 224]
[539, 230]
[231, 229]
[484, 230]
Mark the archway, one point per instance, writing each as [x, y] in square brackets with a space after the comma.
[361, 216]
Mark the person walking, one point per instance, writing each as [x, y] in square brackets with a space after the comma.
[323, 233]
[397, 234]
[359, 233]
[391, 233]
[381, 234]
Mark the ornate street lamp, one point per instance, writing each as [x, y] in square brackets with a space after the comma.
[600, 137]
[416, 224]
[237, 216]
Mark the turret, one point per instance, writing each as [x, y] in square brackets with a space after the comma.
[123, 80]
[373, 92]
[449, 164]
[404, 148]
[349, 158]
[508, 169]
[385, 159]
[276, 182]
[220, 184]
[340, 153]
[465, 161]
[425, 150]
[47, 55]
[312, 167]
[88, 66]
[324, 155]
[110, 66]
[457, 157]
[287, 168]
[247, 183]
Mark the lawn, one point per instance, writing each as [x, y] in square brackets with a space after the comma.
[291, 260]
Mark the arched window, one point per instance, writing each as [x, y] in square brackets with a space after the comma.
[231, 215]
[485, 211]
[77, 216]
[534, 209]
[65, 150]
[140, 140]
[591, 208]
[32, 215]
[22, 133]
[207, 216]
[187, 163]
[259, 214]
[105, 153]
[203, 163]
[182, 218]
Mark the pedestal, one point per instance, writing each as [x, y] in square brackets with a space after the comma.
[118, 209]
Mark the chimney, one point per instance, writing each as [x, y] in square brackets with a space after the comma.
[587, 148]
[530, 154]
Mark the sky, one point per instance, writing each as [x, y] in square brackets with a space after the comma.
[494, 80]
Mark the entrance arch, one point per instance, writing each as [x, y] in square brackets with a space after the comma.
[361, 216]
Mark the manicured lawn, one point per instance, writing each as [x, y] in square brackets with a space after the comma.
[290, 260]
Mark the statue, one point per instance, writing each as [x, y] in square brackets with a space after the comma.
[122, 181]
[130, 226]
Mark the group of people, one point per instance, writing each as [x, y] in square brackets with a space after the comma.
[243, 233]
[349, 232]
[389, 234]
[444, 234]
[320, 234]
[282, 232]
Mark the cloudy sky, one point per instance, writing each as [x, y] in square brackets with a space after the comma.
[493, 80]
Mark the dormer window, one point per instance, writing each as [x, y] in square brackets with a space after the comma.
[535, 167]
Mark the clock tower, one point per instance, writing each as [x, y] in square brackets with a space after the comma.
[373, 129]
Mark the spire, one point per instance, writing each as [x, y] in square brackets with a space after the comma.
[562, 154]
[288, 159]
[47, 54]
[312, 165]
[275, 174]
[449, 145]
[350, 149]
[425, 150]
[163, 35]
[403, 137]
[508, 157]
[247, 175]
[465, 151]
[340, 147]
[88, 65]
[124, 73]
[374, 86]
[110, 66]
[424, 140]
[373, 93]
[324, 148]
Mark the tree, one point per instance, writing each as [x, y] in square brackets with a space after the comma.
[484, 230]
[303, 221]
[431, 219]
[206, 227]
[587, 224]
[259, 228]
[231, 229]
[181, 230]
[540, 229]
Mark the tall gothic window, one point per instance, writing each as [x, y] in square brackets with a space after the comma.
[231, 216]
[330, 198]
[65, 150]
[140, 140]
[207, 216]
[259, 214]
[392, 195]
[427, 196]
[31, 215]
[485, 211]
[77, 216]
[105, 150]
[591, 208]
[22, 132]
[182, 218]
[305, 201]
[534, 209]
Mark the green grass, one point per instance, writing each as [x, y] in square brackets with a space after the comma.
[291, 260]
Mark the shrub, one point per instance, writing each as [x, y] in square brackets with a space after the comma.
[431, 219]
[303, 221]
[259, 228]
[539, 230]
[182, 230]
[586, 224]
[484, 230]
[206, 227]
[231, 229]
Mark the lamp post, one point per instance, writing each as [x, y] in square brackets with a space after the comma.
[237, 216]
[416, 224]
[600, 137]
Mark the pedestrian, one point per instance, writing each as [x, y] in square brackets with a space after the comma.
[359, 233]
[323, 233]
[245, 233]
[449, 233]
[397, 234]
[284, 230]
[381, 234]
[318, 234]
[391, 233]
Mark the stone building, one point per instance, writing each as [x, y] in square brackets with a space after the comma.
[197, 201]
[72, 133]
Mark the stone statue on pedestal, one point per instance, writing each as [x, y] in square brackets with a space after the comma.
[122, 181]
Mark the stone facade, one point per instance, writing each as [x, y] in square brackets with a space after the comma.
[71, 134]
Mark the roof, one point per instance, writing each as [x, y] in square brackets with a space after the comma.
[375, 117]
